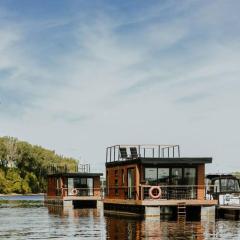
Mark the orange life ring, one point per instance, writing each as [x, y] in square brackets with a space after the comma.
[74, 192]
[152, 189]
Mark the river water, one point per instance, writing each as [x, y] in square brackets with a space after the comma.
[27, 218]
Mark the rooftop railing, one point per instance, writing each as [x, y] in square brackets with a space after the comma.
[129, 152]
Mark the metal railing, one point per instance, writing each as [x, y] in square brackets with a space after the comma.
[173, 192]
[128, 152]
[169, 192]
[78, 192]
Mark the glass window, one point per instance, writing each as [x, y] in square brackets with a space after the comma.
[163, 176]
[90, 186]
[151, 176]
[237, 186]
[189, 176]
[70, 186]
[217, 185]
[231, 185]
[176, 176]
[224, 187]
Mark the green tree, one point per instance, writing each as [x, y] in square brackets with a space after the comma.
[24, 167]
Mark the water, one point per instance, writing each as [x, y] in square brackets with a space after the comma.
[27, 218]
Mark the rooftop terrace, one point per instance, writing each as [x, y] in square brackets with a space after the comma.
[128, 152]
[150, 154]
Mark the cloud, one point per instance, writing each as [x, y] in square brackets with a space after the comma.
[192, 99]
[122, 72]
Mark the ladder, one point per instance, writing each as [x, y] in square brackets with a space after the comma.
[181, 212]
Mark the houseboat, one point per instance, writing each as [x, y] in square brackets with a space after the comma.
[74, 189]
[154, 180]
[224, 188]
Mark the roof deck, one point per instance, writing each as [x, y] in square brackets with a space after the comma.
[126, 152]
[150, 154]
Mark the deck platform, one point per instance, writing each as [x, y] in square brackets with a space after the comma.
[195, 209]
[162, 202]
[228, 212]
[74, 201]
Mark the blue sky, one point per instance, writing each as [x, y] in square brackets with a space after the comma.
[77, 76]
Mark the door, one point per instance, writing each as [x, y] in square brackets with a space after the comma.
[131, 182]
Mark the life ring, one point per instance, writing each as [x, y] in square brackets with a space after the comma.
[74, 192]
[152, 195]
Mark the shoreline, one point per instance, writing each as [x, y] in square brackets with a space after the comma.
[19, 194]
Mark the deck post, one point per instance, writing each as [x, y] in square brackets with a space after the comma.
[152, 212]
[208, 212]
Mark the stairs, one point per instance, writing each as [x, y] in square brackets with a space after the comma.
[181, 212]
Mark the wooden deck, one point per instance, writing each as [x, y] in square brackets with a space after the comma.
[230, 207]
[81, 198]
[161, 202]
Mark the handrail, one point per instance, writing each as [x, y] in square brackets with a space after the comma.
[113, 153]
[169, 191]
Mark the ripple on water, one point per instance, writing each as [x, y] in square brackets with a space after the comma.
[39, 222]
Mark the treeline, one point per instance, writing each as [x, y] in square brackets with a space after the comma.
[24, 167]
[237, 174]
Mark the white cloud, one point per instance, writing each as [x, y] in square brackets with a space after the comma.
[128, 81]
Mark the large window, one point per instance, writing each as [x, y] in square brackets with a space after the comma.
[189, 176]
[83, 185]
[163, 176]
[151, 176]
[171, 176]
[177, 176]
[229, 185]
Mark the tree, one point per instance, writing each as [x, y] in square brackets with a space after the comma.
[24, 167]
[11, 151]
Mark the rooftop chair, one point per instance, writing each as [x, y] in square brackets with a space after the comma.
[134, 153]
[123, 152]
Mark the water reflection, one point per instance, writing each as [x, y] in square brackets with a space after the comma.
[152, 229]
[120, 227]
[64, 223]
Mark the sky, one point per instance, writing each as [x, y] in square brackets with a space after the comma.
[78, 76]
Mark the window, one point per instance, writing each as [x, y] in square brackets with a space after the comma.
[224, 187]
[151, 176]
[217, 185]
[176, 176]
[189, 176]
[229, 185]
[237, 186]
[171, 176]
[163, 176]
[90, 186]
[70, 186]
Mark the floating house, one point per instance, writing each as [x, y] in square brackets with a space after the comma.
[74, 189]
[154, 180]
